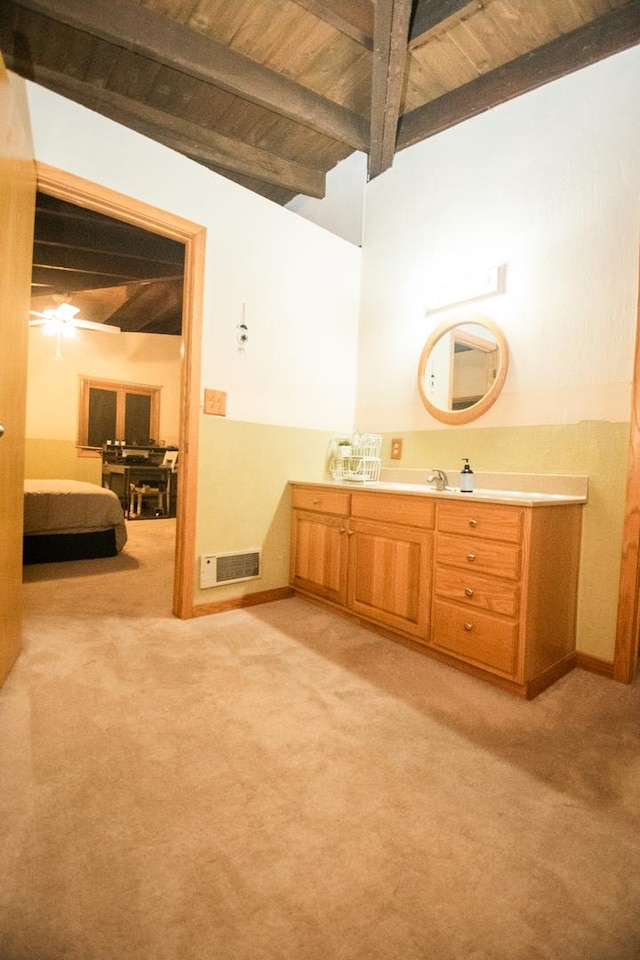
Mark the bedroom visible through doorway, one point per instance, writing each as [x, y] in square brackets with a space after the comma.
[111, 292]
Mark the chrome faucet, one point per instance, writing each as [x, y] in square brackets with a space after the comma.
[438, 478]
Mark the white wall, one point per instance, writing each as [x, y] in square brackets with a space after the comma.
[342, 209]
[548, 184]
[300, 283]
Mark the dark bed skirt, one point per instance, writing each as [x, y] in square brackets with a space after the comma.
[57, 547]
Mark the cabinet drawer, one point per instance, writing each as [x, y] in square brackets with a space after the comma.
[476, 637]
[481, 556]
[321, 500]
[483, 593]
[394, 508]
[487, 520]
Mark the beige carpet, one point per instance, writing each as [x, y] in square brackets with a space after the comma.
[280, 784]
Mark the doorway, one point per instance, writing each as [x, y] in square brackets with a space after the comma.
[83, 193]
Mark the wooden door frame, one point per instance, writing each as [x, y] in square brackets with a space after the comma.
[625, 662]
[84, 193]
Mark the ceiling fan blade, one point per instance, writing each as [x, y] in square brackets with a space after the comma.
[38, 323]
[37, 313]
[90, 325]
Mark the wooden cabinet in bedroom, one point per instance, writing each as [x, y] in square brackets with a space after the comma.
[488, 587]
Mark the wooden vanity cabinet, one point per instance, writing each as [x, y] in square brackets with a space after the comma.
[491, 588]
[370, 553]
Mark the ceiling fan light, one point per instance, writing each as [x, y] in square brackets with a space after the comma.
[51, 327]
[66, 311]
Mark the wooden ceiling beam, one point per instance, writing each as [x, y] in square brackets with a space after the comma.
[67, 281]
[133, 27]
[430, 14]
[354, 18]
[204, 146]
[147, 304]
[69, 256]
[267, 190]
[86, 230]
[609, 34]
[389, 60]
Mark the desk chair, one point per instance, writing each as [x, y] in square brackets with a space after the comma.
[148, 488]
[154, 488]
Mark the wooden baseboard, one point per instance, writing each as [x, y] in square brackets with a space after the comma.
[237, 603]
[550, 675]
[594, 665]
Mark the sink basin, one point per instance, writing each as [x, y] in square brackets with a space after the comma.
[524, 497]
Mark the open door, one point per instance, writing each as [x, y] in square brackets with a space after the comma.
[17, 205]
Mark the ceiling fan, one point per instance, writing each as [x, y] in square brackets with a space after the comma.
[62, 321]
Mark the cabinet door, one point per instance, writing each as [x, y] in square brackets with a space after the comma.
[390, 575]
[319, 549]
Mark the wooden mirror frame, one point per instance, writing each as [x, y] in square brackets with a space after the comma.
[477, 409]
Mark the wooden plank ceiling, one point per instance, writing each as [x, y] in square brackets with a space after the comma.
[274, 93]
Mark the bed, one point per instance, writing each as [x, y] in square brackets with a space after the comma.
[71, 520]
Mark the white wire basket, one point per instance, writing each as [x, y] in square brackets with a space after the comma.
[357, 462]
[356, 469]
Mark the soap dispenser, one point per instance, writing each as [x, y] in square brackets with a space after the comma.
[466, 477]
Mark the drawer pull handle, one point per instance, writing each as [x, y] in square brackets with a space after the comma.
[473, 523]
[469, 591]
[471, 557]
[316, 502]
[468, 626]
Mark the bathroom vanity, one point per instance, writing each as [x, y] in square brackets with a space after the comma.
[486, 581]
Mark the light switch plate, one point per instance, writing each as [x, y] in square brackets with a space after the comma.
[215, 402]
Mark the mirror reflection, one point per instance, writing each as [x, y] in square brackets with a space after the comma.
[462, 369]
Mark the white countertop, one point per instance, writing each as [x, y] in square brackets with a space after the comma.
[525, 498]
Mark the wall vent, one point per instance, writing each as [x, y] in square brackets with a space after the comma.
[220, 568]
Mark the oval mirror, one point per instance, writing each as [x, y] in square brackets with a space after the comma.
[462, 369]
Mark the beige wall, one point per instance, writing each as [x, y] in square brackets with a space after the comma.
[547, 185]
[244, 499]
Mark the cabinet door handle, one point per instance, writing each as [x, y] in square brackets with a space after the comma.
[350, 533]
[468, 626]
[473, 523]
[469, 591]
[316, 502]
[471, 557]
[342, 530]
